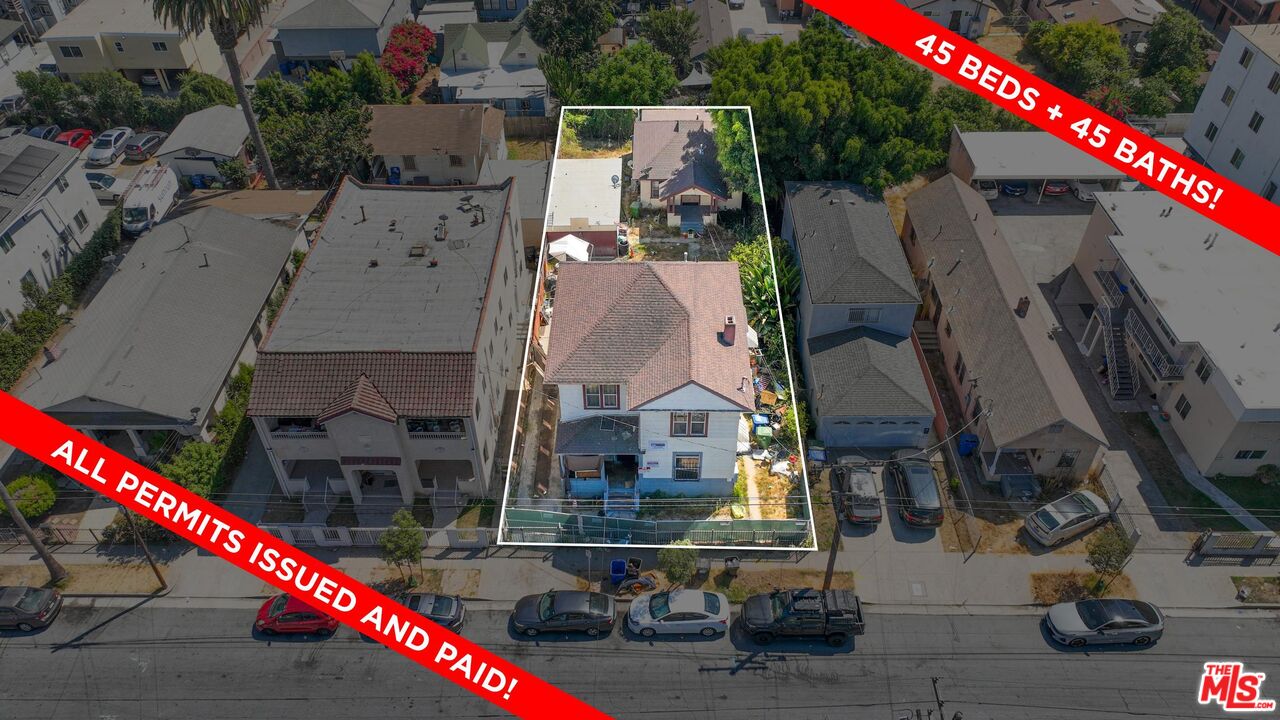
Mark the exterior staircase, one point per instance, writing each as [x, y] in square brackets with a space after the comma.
[622, 503]
[927, 334]
[1119, 369]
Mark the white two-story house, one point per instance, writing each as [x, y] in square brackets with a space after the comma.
[654, 375]
[857, 303]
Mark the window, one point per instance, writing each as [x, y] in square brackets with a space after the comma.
[1183, 406]
[6, 242]
[1251, 454]
[1246, 58]
[600, 397]
[1211, 132]
[977, 407]
[455, 161]
[688, 424]
[959, 367]
[947, 329]
[1204, 370]
[1056, 428]
[160, 46]
[119, 46]
[864, 315]
[1237, 158]
[1269, 191]
[1255, 122]
[1138, 289]
[1068, 458]
[686, 466]
[71, 51]
[410, 163]
[82, 222]
[452, 425]
[1274, 85]
[653, 190]
[62, 183]
[1228, 95]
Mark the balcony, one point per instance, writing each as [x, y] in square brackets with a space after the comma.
[437, 436]
[1110, 286]
[1162, 364]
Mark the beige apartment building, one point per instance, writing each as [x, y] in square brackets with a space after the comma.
[124, 35]
[1188, 310]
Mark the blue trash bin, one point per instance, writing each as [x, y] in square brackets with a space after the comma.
[617, 570]
[967, 443]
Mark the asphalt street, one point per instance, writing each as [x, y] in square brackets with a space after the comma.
[145, 663]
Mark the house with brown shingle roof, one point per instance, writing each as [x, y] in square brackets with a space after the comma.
[676, 169]
[434, 144]
[385, 375]
[654, 376]
[1133, 19]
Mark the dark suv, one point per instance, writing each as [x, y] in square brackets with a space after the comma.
[803, 612]
[919, 503]
[144, 145]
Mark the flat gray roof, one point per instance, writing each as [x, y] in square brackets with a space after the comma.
[365, 287]
[531, 182]
[584, 189]
[28, 166]
[92, 17]
[1211, 286]
[166, 329]
[1019, 155]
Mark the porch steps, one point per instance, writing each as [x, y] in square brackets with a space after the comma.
[927, 334]
[621, 505]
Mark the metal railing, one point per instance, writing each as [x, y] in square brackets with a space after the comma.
[310, 435]
[1110, 287]
[1165, 367]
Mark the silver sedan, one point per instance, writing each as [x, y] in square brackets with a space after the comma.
[1105, 622]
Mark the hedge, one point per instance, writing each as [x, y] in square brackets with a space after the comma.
[41, 319]
[34, 494]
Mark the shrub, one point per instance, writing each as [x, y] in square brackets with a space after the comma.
[34, 494]
[1267, 474]
[405, 56]
[678, 561]
[1109, 550]
[235, 174]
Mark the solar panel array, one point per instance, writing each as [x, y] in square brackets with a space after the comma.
[18, 172]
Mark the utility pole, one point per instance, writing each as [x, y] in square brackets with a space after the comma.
[937, 698]
[137, 536]
[57, 573]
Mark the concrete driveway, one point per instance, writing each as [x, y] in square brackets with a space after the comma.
[760, 17]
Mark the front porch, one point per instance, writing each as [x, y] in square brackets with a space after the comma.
[1012, 473]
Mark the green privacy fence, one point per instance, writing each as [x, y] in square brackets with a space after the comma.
[544, 526]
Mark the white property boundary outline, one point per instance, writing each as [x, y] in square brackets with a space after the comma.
[533, 310]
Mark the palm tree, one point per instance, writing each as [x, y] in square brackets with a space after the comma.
[225, 19]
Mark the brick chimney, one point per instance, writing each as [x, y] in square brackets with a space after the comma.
[1024, 303]
[730, 332]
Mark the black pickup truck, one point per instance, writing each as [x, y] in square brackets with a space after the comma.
[803, 612]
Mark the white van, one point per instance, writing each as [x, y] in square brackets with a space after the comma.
[152, 195]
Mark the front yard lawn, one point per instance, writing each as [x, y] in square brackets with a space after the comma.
[1265, 590]
[479, 513]
[1262, 500]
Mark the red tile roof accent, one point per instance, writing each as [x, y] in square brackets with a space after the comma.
[653, 326]
[402, 384]
[363, 397]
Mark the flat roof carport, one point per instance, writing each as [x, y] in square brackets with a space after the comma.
[1030, 156]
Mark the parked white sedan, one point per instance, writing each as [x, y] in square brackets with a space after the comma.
[679, 612]
[1065, 518]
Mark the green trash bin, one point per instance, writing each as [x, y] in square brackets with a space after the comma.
[764, 435]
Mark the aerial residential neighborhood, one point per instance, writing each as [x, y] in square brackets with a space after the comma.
[698, 357]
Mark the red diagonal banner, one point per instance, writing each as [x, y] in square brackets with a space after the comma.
[1083, 126]
[276, 562]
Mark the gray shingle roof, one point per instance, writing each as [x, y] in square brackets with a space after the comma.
[166, 329]
[867, 372]
[680, 153]
[337, 14]
[1024, 377]
[651, 326]
[849, 251]
[364, 287]
[599, 435]
[714, 26]
[28, 166]
[220, 129]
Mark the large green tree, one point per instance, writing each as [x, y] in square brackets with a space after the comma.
[273, 96]
[373, 84]
[569, 29]
[735, 151]
[202, 90]
[107, 99]
[48, 96]
[1083, 57]
[225, 20]
[971, 112]
[314, 149]
[672, 31]
[1177, 40]
[824, 107]
[636, 75]
[329, 90]
[564, 82]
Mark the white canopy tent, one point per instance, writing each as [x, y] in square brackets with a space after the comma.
[570, 247]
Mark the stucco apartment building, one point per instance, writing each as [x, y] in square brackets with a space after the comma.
[1231, 13]
[1233, 129]
[968, 18]
[1008, 374]
[1191, 308]
[385, 376]
[122, 35]
[47, 213]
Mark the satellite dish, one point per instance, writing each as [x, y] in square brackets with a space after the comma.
[616, 180]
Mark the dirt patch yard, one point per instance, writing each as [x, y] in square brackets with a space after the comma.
[591, 149]
[529, 149]
[1257, 590]
[97, 579]
[1057, 587]
[445, 581]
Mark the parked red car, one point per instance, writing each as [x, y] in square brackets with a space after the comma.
[1056, 187]
[285, 614]
[78, 138]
